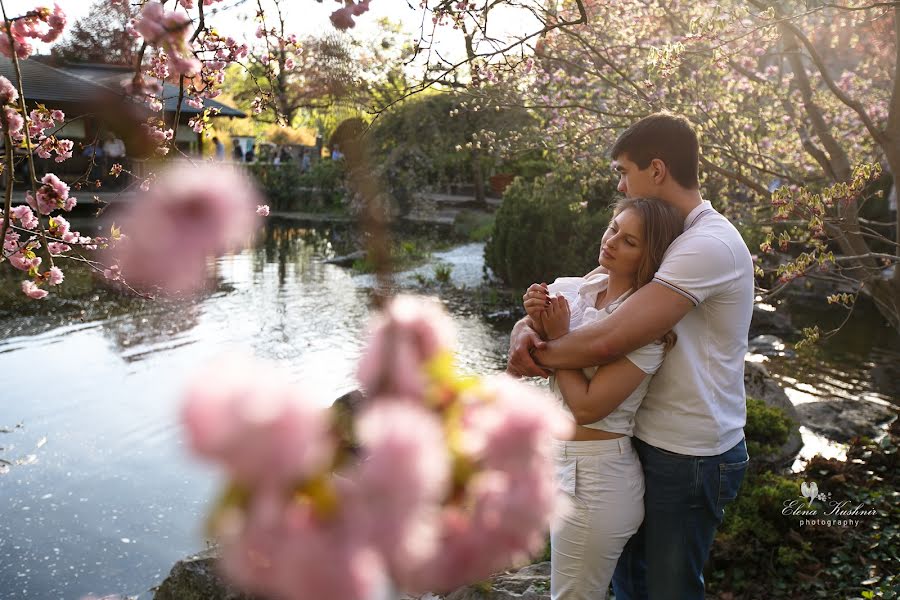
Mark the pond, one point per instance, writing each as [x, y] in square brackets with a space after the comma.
[101, 495]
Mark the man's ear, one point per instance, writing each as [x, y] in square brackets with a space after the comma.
[659, 170]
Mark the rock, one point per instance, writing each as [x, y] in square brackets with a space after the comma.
[770, 345]
[842, 419]
[195, 578]
[758, 384]
[348, 259]
[768, 320]
[529, 583]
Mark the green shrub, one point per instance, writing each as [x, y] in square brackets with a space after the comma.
[286, 188]
[546, 229]
[473, 225]
[767, 428]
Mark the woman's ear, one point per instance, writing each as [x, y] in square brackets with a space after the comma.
[659, 170]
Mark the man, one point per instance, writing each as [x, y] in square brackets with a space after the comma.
[689, 429]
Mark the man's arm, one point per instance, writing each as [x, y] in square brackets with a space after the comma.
[643, 318]
[522, 341]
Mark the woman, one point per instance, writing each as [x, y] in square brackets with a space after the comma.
[598, 468]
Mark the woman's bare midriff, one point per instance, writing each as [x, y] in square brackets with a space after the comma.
[586, 434]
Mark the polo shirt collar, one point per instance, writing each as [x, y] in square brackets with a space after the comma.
[694, 214]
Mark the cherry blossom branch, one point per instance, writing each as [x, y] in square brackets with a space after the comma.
[10, 171]
[429, 83]
[15, 60]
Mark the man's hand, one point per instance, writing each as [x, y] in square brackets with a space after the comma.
[522, 341]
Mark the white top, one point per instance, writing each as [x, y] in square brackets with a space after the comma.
[695, 404]
[582, 294]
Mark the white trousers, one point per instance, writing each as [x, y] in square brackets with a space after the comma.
[605, 484]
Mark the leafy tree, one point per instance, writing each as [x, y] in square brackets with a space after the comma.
[101, 36]
[796, 97]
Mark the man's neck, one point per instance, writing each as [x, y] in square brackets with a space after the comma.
[684, 200]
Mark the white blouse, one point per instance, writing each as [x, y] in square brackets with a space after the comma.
[581, 294]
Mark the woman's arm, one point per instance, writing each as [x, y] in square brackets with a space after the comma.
[593, 399]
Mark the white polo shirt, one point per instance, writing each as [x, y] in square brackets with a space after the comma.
[695, 403]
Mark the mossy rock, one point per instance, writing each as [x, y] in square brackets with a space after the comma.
[772, 430]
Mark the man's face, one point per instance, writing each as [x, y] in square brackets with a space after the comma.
[633, 182]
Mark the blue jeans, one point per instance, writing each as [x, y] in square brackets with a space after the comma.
[684, 503]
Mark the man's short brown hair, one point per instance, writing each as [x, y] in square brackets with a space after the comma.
[668, 137]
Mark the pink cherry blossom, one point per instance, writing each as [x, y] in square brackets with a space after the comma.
[404, 476]
[8, 92]
[52, 195]
[190, 215]
[245, 415]
[25, 259]
[284, 549]
[25, 216]
[169, 30]
[262, 210]
[55, 276]
[30, 289]
[411, 332]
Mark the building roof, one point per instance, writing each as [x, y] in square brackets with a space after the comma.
[85, 82]
[112, 76]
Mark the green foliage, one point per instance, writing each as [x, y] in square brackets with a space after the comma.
[473, 226]
[767, 428]
[426, 142]
[322, 188]
[546, 228]
[761, 553]
[405, 254]
[442, 273]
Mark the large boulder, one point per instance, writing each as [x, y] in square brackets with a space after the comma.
[196, 578]
[769, 320]
[760, 385]
[841, 419]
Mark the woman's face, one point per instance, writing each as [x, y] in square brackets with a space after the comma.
[623, 244]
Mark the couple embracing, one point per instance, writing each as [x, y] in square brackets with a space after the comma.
[647, 353]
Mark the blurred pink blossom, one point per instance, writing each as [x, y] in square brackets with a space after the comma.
[190, 215]
[263, 430]
[409, 333]
[404, 476]
[281, 548]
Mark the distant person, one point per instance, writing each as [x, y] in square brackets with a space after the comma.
[237, 153]
[336, 153]
[305, 162]
[250, 155]
[114, 148]
[220, 148]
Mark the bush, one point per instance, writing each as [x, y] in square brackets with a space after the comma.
[767, 429]
[546, 229]
[286, 188]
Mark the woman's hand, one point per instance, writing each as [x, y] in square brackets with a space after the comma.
[555, 319]
[535, 300]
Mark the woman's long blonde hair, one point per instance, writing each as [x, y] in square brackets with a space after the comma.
[662, 224]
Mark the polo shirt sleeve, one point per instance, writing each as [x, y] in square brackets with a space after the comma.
[648, 358]
[697, 267]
